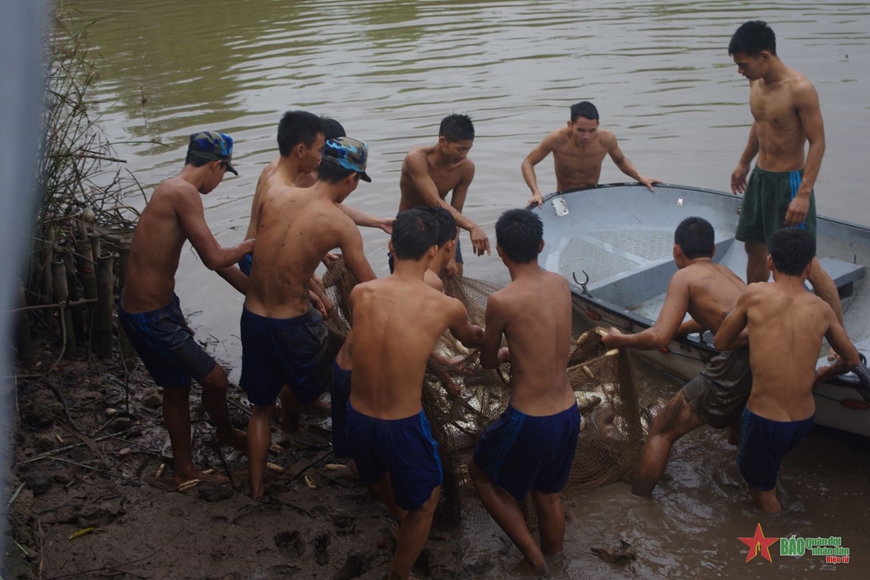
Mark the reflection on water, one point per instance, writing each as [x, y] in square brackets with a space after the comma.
[390, 70]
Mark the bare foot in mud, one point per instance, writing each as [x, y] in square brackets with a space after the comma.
[236, 439]
[186, 475]
[525, 568]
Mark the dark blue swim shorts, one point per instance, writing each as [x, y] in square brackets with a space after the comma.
[520, 452]
[279, 351]
[404, 447]
[166, 345]
[763, 444]
[245, 264]
[340, 397]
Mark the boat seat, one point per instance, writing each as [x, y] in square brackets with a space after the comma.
[842, 273]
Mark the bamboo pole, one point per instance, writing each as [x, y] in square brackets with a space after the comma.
[61, 295]
[47, 287]
[87, 273]
[128, 353]
[94, 241]
[72, 284]
[26, 352]
[105, 268]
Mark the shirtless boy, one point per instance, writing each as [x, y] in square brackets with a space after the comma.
[786, 325]
[150, 312]
[707, 291]
[785, 109]
[284, 340]
[531, 446]
[396, 324]
[430, 173]
[578, 151]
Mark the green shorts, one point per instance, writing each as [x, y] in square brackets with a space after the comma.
[766, 202]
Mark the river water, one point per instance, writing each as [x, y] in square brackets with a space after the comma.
[390, 70]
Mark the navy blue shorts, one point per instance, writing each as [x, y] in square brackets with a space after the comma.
[166, 345]
[404, 447]
[245, 264]
[763, 444]
[520, 452]
[340, 397]
[279, 351]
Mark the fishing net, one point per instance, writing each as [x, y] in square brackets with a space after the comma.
[614, 422]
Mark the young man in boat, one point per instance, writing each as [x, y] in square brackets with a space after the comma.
[150, 312]
[430, 173]
[706, 291]
[785, 348]
[396, 323]
[578, 150]
[531, 446]
[786, 115]
[284, 340]
[343, 365]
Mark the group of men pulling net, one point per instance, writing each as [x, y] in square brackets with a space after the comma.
[614, 424]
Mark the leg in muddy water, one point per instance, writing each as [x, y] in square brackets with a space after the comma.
[214, 399]
[551, 521]
[675, 420]
[259, 439]
[766, 501]
[413, 534]
[176, 414]
[506, 512]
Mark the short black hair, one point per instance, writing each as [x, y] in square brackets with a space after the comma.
[332, 129]
[456, 127]
[792, 249]
[519, 232]
[446, 225]
[751, 38]
[298, 127]
[584, 109]
[414, 232]
[332, 172]
[696, 238]
[197, 161]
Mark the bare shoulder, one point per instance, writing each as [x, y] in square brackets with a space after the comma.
[466, 169]
[175, 191]
[416, 155]
[802, 90]
[556, 139]
[607, 138]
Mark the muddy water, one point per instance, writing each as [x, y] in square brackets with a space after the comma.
[390, 70]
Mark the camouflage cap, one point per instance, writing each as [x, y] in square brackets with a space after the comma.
[214, 146]
[348, 153]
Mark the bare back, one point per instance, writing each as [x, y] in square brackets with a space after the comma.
[396, 324]
[776, 108]
[297, 227]
[157, 243]
[445, 179]
[534, 313]
[713, 292]
[271, 179]
[575, 166]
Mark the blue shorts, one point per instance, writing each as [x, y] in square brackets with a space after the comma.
[279, 351]
[340, 397]
[763, 444]
[165, 345]
[403, 447]
[520, 452]
[245, 264]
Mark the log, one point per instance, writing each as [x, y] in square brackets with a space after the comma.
[87, 268]
[74, 296]
[105, 298]
[61, 296]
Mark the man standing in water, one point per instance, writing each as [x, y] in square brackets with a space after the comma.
[430, 173]
[785, 109]
[396, 323]
[578, 151]
[531, 446]
[781, 408]
[149, 309]
[284, 340]
[707, 291]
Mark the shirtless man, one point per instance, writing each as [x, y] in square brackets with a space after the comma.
[343, 364]
[284, 340]
[150, 312]
[396, 324]
[578, 151]
[430, 173]
[707, 291]
[531, 446]
[786, 325]
[785, 109]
